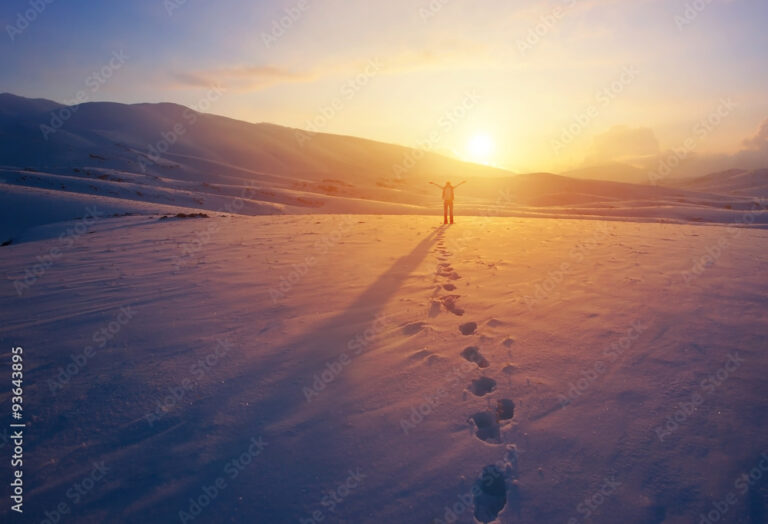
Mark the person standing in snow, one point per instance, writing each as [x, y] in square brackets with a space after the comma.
[448, 199]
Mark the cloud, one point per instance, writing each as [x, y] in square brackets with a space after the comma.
[759, 141]
[754, 155]
[638, 147]
[448, 55]
[249, 78]
[755, 152]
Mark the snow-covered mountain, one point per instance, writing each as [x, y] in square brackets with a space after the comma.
[56, 160]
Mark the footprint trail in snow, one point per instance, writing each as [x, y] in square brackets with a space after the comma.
[496, 487]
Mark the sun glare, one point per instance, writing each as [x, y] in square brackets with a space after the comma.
[480, 149]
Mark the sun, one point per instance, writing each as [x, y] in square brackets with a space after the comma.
[480, 149]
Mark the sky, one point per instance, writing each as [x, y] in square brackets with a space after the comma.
[545, 85]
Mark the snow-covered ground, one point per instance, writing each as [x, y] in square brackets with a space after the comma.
[247, 328]
[387, 369]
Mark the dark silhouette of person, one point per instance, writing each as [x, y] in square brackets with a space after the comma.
[448, 199]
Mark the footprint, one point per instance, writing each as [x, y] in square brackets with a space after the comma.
[435, 359]
[494, 322]
[505, 409]
[449, 301]
[449, 287]
[472, 354]
[508, 342]
[509, 369]
[487, 428]
[468, 328]
[420, 355]
[490, 494]
[448, 272]
[413, 328]
[482, 386]
[434, 308]
[511, 464]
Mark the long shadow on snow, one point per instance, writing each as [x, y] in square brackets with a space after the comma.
[195, 447]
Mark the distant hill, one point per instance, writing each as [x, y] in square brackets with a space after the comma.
[173, 141]
[56, 160]
[613, 171]
[742, 182]
[18, 106]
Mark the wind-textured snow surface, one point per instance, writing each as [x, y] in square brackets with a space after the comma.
[358, 369]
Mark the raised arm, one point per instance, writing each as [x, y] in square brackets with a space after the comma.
[462, 182]
[438, 185]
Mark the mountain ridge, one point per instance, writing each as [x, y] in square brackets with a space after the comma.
[165, 154]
